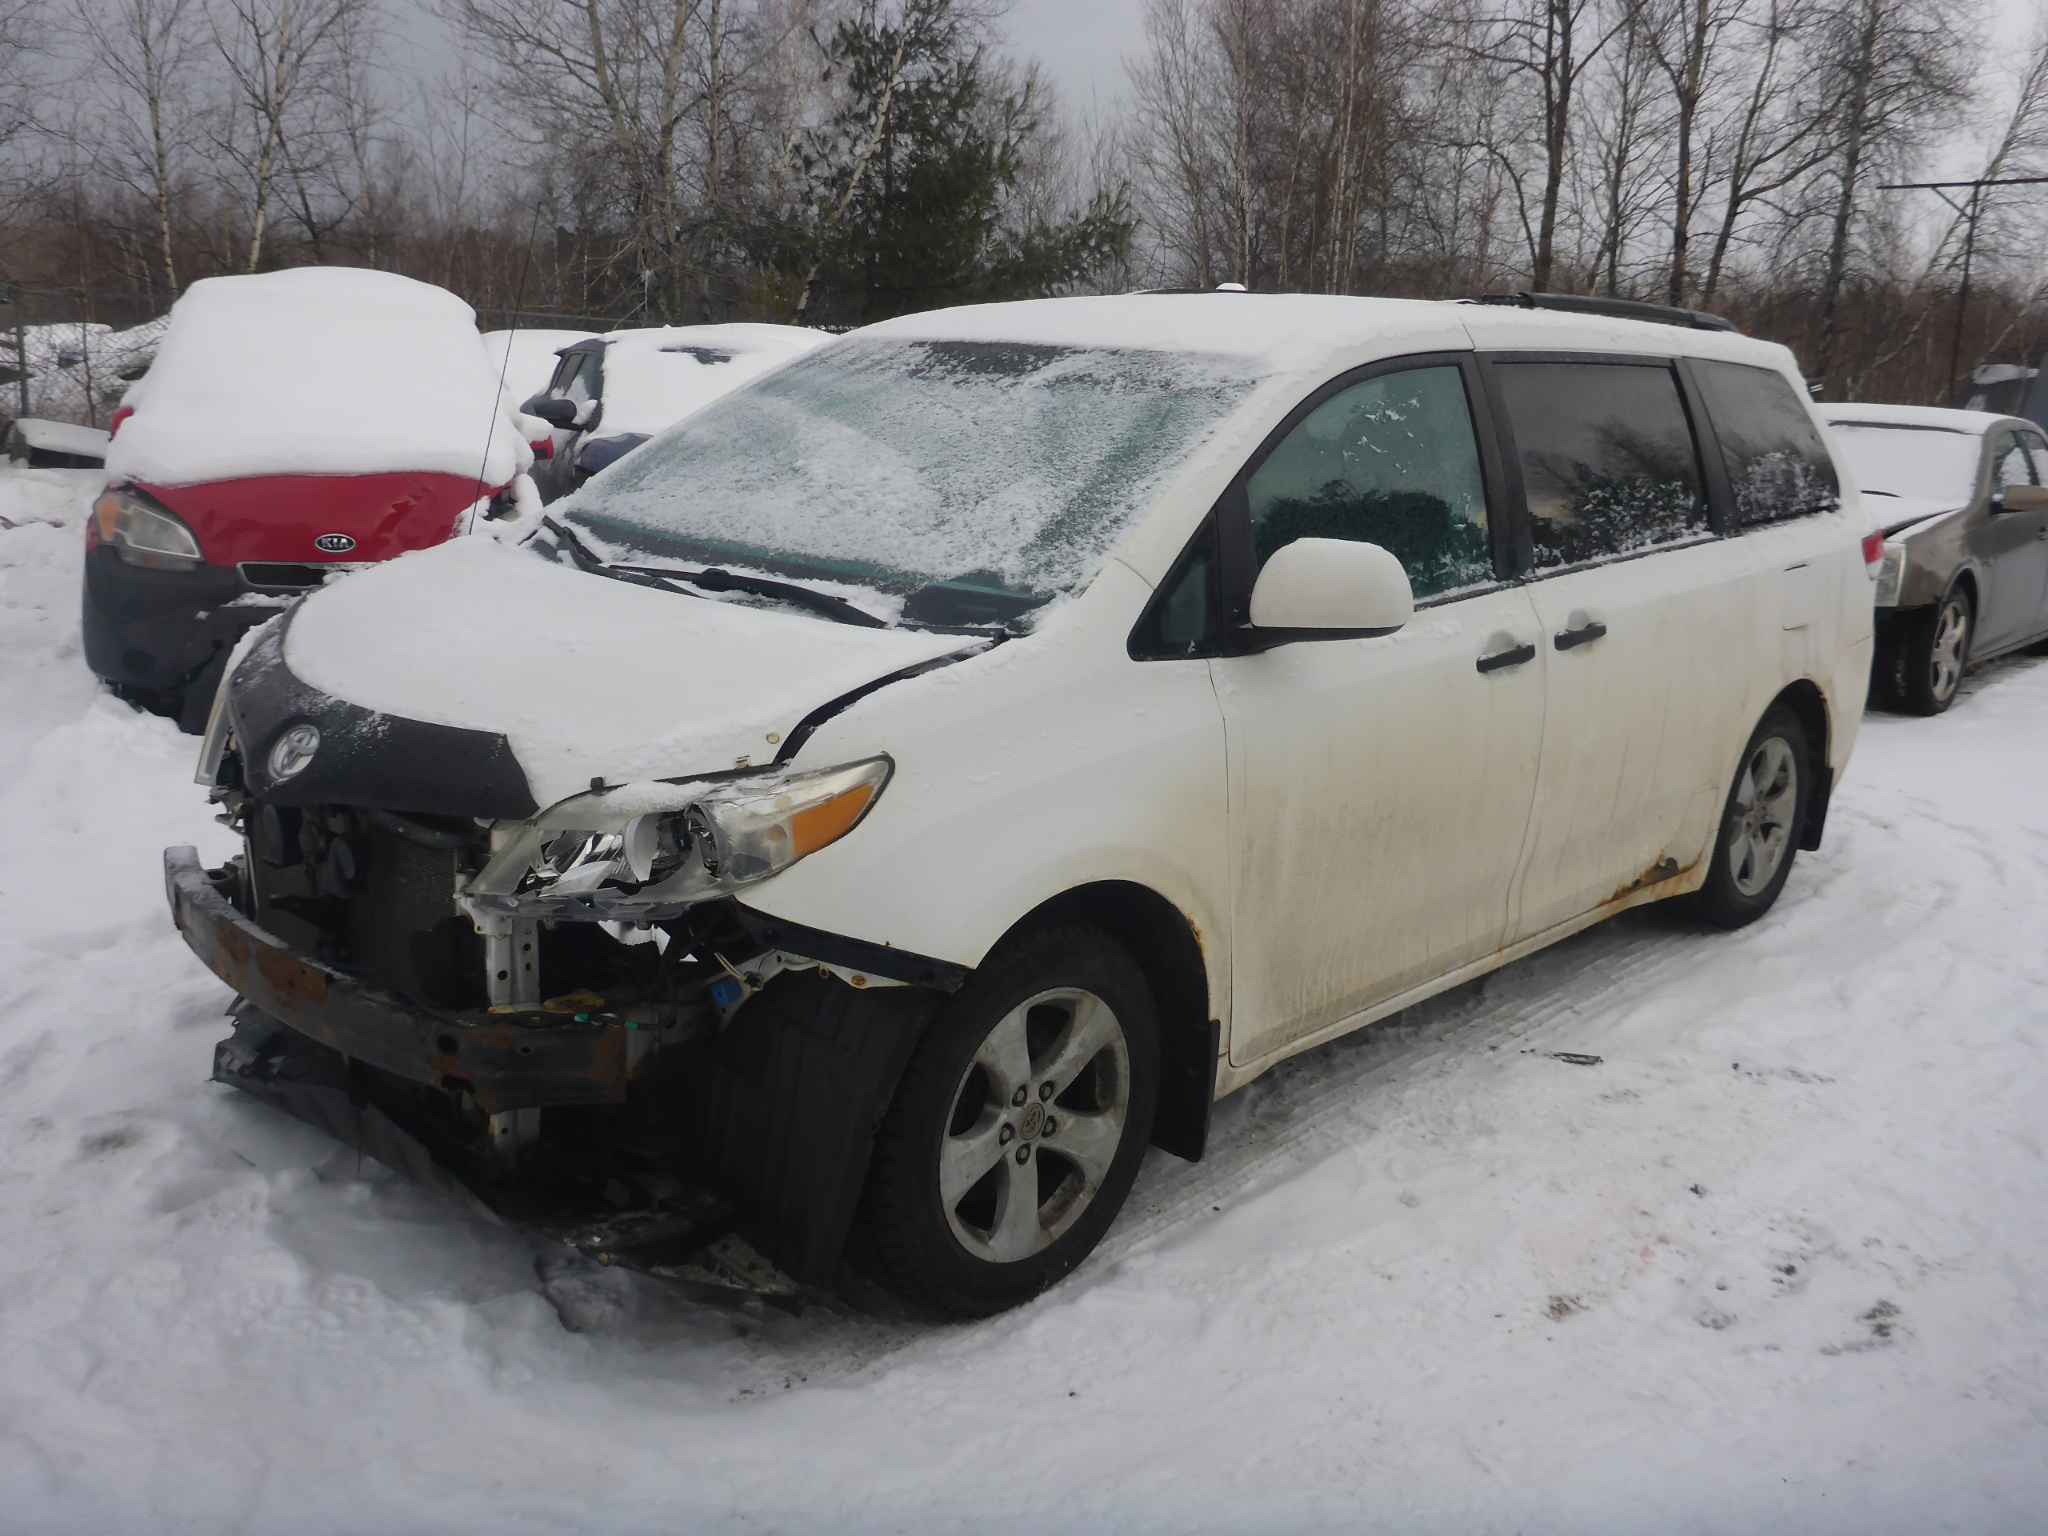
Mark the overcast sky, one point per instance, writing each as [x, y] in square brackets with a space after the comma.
[1083, 43]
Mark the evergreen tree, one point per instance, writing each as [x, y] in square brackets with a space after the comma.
[907, 184]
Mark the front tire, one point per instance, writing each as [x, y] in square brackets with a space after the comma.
[1933, 653]
[1760, 823]
[1018, 1128]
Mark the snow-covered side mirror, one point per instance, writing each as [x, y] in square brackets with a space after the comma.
[552, 409]
[1330, 589]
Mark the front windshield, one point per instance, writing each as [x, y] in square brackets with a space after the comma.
[1006, 468]
[1921, 463]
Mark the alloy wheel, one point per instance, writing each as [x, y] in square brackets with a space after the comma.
[1945, 661]
[1766, 800]
[1035, 1124]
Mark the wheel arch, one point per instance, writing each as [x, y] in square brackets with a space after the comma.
[1168, 948]
[1809, 705]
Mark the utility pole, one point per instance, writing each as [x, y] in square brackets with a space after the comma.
[1969, 214]
[10, 293]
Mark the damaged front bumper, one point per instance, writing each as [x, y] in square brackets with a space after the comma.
[504, 1062]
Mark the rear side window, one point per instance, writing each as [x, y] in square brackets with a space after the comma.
[1777, 465]
[1608, 461]
[1392, 461]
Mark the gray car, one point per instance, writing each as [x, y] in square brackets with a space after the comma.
[1963, 501]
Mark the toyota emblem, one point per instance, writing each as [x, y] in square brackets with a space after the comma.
[334, 543]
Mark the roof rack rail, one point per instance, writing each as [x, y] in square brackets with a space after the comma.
[1619, 309]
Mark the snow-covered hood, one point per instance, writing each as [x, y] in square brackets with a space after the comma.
[1907, 514]
[584, 676]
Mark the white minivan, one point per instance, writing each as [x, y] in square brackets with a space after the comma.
[919, 782]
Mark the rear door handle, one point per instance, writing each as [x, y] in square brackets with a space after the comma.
[1585, 634]
[1500, 661]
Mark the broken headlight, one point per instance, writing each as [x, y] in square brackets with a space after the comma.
[661, 846]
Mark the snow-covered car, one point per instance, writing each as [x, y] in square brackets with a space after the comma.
[931, 775]
[526, 360]
[293, 424]
[37, 444]
[610, 393]
[1962, 497]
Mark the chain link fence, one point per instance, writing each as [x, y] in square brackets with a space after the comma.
[69, 354]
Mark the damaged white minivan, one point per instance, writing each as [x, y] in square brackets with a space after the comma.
[860, 824]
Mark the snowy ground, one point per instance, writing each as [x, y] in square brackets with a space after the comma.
[1777, 1261]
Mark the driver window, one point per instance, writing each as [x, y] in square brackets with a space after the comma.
[580, 384]
[1391, 461]
[2010, 464]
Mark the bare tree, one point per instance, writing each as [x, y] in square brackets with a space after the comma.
[274, 52]
[1549, 44]
[143, 52]
[1895, 70]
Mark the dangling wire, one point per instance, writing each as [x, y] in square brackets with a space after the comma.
[505, 364]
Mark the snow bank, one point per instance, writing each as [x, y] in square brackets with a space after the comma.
[654, 378]
[1773, 1263]
[318, 370]
[62, 437]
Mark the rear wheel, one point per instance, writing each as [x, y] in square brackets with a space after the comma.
[1932, 654]
[1760, 824]
[1018, 1129]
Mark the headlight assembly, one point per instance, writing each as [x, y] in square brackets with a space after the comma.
[143, 534]
[649, 850]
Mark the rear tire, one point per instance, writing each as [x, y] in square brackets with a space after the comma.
[1760, 823]
[1932, 654]
[1018, 1128]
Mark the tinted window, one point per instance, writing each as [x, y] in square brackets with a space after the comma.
[1608, 463]
[1391, 461]
[1777, 464]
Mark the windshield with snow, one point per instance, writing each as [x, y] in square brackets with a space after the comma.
[1919, 463]
[1004, 469]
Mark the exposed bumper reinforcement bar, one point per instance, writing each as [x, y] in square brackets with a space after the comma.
[503, 1063]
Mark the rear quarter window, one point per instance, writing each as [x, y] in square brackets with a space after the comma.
[1778, 467]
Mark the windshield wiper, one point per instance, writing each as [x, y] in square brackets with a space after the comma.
[1873, 491]
[717, 579]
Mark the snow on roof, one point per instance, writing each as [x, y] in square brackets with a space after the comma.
[655, 377]
[1287, 332]
[532, 361]
[1848, 412]
[316, 370]
[62, 437]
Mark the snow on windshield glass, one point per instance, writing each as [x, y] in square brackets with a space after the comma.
[1921, 463]
[901, 463]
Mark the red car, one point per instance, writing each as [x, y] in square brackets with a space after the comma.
[294, 425]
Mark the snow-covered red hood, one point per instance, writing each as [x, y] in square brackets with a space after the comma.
[584, 676]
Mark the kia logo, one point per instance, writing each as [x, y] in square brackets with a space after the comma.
[334, 543]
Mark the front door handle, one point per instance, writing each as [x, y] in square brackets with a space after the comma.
[1500, 661]
[1585, 634]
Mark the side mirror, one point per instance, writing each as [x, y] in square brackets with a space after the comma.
[556, 412]
[2020, 498]
[1331, 589]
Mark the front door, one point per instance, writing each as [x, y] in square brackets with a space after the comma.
[1379, 787]
[1646, 619]
[2013, 547]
